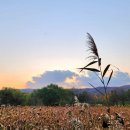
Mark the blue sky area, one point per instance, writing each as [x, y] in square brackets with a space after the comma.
[47, 35]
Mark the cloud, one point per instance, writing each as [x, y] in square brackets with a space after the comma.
[55, 77]
[120, 78]
[72, 79]
[69, 79]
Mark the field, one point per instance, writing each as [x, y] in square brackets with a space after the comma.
[62, 118]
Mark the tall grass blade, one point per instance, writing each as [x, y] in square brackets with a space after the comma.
[90, 69]
[99, 78]
[96, 89]
[110, 77]
[106, 69]
[99, 62]
[93, 62]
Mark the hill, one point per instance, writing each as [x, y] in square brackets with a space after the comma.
[90, 90]
[109, 89]
[27, 90]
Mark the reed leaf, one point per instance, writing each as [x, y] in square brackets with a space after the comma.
[93, 62]
[99, 78]
[96, 89]
[99, 62]
[90, 69]
[106, 69]
[110, 77]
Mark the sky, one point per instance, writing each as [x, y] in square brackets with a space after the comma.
[40, 38]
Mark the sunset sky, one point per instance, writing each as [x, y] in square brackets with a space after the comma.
[44, 40]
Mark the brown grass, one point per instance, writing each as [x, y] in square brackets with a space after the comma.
[61, 118]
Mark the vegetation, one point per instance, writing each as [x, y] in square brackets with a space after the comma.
[11, 96]
[81, 117]
[63, 118]
[53, 95]
[96, 59]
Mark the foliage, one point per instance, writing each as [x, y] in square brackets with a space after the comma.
[52, 95]
[119, 97]
[84, 97]
[11, 96]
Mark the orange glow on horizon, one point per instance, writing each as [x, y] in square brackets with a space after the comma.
[13, 81]
[16, 85]
[19, 79]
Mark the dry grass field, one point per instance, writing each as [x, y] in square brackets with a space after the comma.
[63, 118]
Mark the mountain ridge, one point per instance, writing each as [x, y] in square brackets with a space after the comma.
[109, 89]
[89, 90]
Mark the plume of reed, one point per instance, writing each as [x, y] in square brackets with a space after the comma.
[92, 47]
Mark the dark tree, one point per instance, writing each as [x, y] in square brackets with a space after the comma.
[12, 97]
[51, 95]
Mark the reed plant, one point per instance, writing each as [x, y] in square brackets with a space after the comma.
[94, 58]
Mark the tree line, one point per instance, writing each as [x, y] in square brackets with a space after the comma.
[53, 95]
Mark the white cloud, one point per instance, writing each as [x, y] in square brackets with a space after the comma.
[69, 79]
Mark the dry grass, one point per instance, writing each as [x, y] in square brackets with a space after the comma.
[62, 118]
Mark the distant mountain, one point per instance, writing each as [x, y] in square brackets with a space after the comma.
[109, 89]
[125, 87]
[27, 90]
[90, 90]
